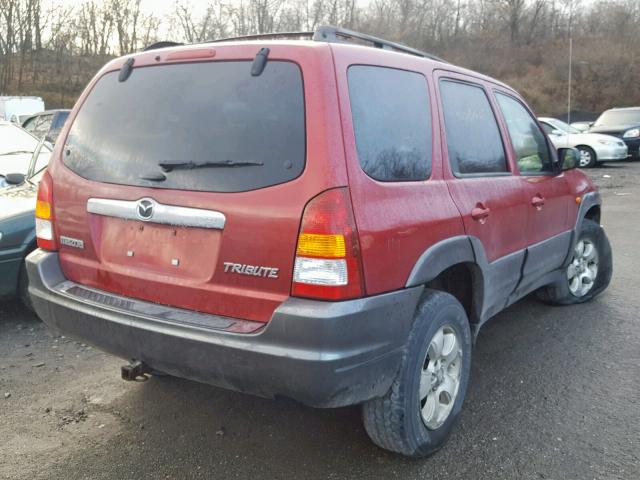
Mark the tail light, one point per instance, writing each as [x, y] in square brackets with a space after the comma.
[328, 264]
[44, 215]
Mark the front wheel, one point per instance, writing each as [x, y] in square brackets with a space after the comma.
[417, 414]
[588, 158]
[589, 270]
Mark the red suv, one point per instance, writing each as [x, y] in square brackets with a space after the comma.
[310, 219]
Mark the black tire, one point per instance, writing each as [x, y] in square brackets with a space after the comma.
[560, 294]
[394, 422]
[592, 155]
[23, 287]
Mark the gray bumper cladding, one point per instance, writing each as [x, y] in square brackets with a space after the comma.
[323, 354]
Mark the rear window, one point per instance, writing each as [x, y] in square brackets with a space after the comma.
[392, 122]
[200, 126]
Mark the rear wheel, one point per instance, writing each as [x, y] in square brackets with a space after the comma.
[589, 270]
[417, 414]
[588, 158]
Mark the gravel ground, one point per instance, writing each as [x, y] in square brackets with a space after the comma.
[554, 395]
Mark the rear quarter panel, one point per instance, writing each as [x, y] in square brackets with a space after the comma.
[397, 221]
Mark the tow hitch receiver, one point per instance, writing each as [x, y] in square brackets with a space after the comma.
[135, 372]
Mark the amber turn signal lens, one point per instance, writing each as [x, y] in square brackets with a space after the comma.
[43, 210]
[321, 245]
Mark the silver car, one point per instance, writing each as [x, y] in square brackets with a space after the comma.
[594, 148]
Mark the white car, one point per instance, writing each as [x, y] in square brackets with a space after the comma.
[16, 149]
[594, 147]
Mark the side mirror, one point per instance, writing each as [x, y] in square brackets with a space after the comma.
[568, 158]
[14, 178]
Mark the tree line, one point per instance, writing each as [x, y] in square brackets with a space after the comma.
[52, 49]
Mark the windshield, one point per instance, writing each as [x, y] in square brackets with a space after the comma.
[13, 139]
[618, 117]
[565, 127]
[199, 126]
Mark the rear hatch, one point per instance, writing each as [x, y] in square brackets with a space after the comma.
[186, 182]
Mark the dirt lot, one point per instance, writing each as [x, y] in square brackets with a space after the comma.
[554, 395]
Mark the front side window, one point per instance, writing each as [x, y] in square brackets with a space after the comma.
[473, 137]
[391, 122]
[529, 143]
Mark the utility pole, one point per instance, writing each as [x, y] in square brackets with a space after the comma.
[570, 72]
[570, 65]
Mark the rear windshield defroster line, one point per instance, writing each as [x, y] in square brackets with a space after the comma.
[236, 131]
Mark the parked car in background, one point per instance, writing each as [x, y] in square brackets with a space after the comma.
[330, 223]
[594, 148]
[623, 123]
[17, 229]
[45, 123]
[582, 127]
[13, 109]
[17, 147]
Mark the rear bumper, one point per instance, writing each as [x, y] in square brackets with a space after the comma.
[323, 354]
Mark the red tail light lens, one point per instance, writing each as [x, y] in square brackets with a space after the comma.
[328, 264]
[45, 234]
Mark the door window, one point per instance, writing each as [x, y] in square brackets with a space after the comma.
[473, 137]
[529, 143]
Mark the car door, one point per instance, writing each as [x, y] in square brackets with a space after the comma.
[483, 184]
[548, 195]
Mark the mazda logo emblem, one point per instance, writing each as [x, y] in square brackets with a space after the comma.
[144, 209]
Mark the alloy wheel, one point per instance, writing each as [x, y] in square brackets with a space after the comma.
[440, 377]
[583, 269]
[585, 158]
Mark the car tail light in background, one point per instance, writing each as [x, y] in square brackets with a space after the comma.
[328, 264]
[44, 215]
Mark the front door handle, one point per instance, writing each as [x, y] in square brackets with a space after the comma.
[538, 202]
[480, 213]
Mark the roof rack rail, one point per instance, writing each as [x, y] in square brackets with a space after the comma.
[334, 35]
[342, 35]
[267, 36]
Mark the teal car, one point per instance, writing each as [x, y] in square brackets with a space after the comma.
[18, 194]
[17, 237]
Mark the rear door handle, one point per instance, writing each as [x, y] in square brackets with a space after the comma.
[480, 213]
[538, 202]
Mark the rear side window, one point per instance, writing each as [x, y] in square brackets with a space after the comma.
[199, 126]
[392, 122]
[473, 138]
[529, 143]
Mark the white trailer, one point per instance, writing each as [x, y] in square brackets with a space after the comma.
[16, 109]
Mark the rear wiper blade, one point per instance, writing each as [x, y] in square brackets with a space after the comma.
[168, 166]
